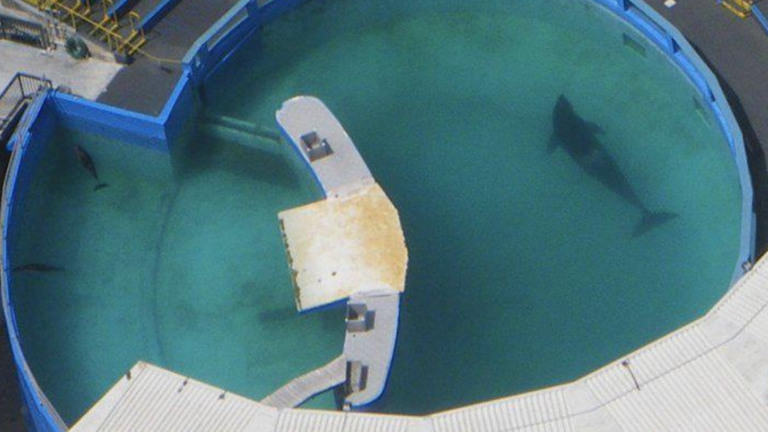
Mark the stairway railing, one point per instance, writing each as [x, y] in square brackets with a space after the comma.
[20, 90]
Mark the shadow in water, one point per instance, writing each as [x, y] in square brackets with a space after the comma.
[260, 161]
[278, 315]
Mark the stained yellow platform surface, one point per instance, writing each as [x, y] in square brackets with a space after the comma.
[342, 245]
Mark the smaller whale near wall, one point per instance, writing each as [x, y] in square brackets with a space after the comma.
[578, 138]
[87, 162]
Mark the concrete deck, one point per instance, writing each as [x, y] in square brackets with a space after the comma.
[364, 366]
[344, 167]
[146, 85]
[372, 348]
[87, 78]
[348, 246]
[340, 246]
[301, 389]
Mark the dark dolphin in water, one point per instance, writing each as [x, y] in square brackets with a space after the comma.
[578, 137]
[37, 268]
[87, 162]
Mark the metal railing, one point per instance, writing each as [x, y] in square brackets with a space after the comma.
[15, 97]
[740, 8]
[99, 20]
[26, 32]
[760, 17]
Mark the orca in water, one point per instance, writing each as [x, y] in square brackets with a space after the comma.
[579, 139]
[87, 162]
[37, 268]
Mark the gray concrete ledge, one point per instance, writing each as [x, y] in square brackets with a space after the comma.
[341, 167]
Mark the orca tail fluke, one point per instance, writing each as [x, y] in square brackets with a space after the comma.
[652, 220]
[100, 186]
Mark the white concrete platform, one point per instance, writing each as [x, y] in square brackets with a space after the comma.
[711, 376]
[343, 245]
[373, 348]
[87, 78]
[347, 246]
[301, 389]
[340, 170]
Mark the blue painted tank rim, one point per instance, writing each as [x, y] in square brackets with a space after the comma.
[636, 13]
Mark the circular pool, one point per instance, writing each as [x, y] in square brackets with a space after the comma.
[566, 198]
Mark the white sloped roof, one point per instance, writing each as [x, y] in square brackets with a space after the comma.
[709, 376]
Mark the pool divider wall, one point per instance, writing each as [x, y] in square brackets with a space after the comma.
[157, 133]
[213, 49]
[37, 127]
[46, 114]
[672, 43]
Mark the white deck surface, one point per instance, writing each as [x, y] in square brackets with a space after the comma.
[87, 78]
[338, 171]
[709, 376]
[374, 348]
[300, 389]
[343, 245]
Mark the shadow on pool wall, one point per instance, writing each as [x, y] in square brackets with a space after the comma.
[212, 50]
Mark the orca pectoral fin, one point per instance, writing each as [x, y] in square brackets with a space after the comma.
[553, 143]
[595, 128]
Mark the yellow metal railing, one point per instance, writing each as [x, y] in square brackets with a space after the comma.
[106, 28]
[741, 8]
[108, 21]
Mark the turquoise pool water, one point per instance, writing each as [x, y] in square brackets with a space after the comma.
[523, 270]
[178, 262]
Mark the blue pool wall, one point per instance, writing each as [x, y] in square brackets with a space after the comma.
[760, 17]
[216, 45]
[212, 50]
[669, 39]
[39, 123]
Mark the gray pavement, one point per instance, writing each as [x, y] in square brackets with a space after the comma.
[87, 78]
[145, 86]
[737, 52]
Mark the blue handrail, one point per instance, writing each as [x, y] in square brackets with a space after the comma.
[760, 17]
[156, 14]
